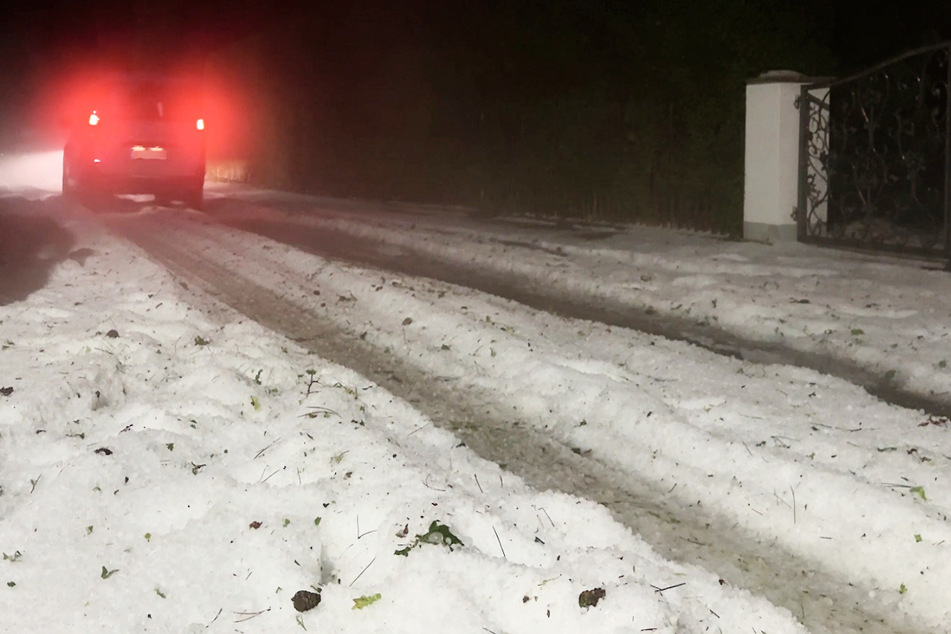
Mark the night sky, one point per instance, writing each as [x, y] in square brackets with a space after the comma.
[45, 35]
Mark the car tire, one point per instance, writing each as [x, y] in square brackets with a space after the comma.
[194, 197]
[69, 189]
[75, 191]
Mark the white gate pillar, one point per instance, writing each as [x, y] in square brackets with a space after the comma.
[770, 184]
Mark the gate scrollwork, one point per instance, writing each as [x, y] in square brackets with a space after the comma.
[875, 156]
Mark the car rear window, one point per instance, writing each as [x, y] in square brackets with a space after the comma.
[146, 100]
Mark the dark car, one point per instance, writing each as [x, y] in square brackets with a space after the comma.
[138, 134]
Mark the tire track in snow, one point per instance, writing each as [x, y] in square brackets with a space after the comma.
[328, 239]
[822, 602]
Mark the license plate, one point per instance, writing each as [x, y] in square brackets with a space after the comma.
[152, 153]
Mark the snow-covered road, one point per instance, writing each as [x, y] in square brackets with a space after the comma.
[769, 478]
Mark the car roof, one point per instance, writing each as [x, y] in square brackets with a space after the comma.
[150, 77]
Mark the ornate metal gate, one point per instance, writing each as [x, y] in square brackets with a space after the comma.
[875, 157]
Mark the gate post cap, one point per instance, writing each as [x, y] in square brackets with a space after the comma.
[780, 77]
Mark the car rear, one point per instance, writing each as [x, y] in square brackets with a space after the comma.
[139, 135]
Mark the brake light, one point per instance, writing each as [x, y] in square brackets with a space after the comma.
[200, 124]
[93, 118]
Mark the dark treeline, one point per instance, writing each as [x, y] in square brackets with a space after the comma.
[588, 108]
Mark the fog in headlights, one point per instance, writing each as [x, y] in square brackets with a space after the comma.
[31, 172]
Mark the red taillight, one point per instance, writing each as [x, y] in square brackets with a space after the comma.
[93, 118]
[200, 124]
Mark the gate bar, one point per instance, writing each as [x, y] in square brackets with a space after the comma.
[947, 162]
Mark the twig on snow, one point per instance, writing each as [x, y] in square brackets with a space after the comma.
[362, 535]
[783, 441]
[362, 571]
[273, 473]
[779, 499]
[428, 486]
[263, 451]
[311, 383]
[420, 428]
[247, 616]
[793, 491]
[500, 543]
[316, 410]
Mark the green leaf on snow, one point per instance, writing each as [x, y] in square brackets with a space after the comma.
[361, 602]
[438, 534]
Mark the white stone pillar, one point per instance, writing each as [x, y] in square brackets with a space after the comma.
[770, 186]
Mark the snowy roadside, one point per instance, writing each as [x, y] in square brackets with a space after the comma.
[796, 458]
[167, 468]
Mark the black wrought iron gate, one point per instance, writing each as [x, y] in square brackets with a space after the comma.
[875, 157]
